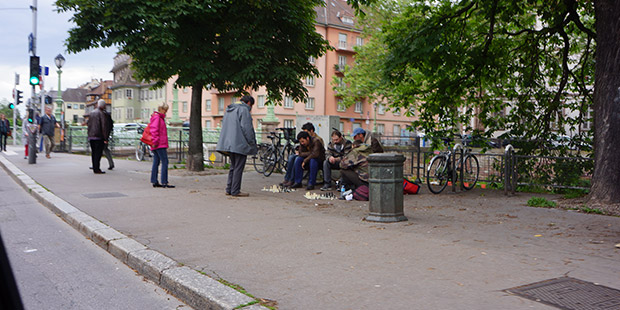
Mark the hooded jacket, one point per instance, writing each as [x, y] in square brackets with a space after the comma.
[237, 135]
[159, 132]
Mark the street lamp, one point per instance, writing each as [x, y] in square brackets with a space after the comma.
[60, 107]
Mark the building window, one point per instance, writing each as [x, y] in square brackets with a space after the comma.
[342, 62]
[184, 106]
[261, 101]
[310, 81]
[185, 90]
[82, 106]
[288, 102]
[347, 20]
[312, 60]
[340, 107]
[358, 107]
[207, 124]
[289, 123]
[310, 103]
[381, 129]
[129, 113]
[396, 112]
[342, 40]
[341, 82]
[69, 106]
[129, 93]
[360, 41]
[220, 105]
[355, 125]
[161, 93]
[234, 100]
[587, 121]
[381, 109]
[208, 105]
[396, 130]
[341, 126]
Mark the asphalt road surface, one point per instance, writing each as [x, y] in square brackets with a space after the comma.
[57, 268]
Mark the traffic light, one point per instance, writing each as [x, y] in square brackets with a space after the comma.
[34, 70]
[31, 116]
[48, 100]
[11, 106]
[18, 97]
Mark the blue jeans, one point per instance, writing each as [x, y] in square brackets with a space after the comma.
[299, 171]
[160, 155]
[290, 167]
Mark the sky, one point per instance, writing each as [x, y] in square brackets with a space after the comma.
[16, 24]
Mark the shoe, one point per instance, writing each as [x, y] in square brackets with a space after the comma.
[99, 172]
[110, 168]
[296, 185]
[227, 194]
[167, 186]
[91, 168]
[286, 183]
[157, 185]
[310, 187]
[240, 194]
[326, 187]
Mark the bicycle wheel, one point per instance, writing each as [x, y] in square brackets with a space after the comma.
[270, 160]
[257, 159]
[437, 176]
[469, 176]
[140, 151]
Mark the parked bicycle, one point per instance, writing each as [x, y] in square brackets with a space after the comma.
[142, 149]
[275, 155]
[440, 171]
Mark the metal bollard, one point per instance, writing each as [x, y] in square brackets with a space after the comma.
[386, 188]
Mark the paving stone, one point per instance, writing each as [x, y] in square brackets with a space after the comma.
[102, 237]
[150, 263]
[122, 247]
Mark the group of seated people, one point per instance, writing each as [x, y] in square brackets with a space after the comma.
[351, 158]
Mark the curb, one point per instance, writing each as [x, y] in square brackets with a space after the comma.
[193, 288]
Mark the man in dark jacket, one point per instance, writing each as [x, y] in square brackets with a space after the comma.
[5, 130]
[237, 140]
[311, 155]
[336, 150]
[46, 127]
[106, 148]
[98, 134]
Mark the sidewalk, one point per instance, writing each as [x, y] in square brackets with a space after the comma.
[457, 251]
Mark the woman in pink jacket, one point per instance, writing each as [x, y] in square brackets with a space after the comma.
[159, 133]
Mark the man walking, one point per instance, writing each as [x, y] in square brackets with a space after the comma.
[5, 131]
[106, 148]
[97, 134]
[237, 140]
[46, 128]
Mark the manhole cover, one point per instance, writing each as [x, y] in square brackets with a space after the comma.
[571, 294]
[103, 195]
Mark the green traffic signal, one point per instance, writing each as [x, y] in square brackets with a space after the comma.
[11, 106]
[34, 80]
[34, 70]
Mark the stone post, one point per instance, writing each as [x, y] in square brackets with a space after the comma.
[386, 188]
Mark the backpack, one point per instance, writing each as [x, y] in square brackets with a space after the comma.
[147, 138]
[410, 187]
[361, 193]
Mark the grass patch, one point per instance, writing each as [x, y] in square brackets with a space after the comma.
[241, 290]
[586, 209]
[540, 202]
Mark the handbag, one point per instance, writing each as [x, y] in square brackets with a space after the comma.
[147, 138]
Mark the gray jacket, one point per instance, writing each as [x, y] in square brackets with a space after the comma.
[237, 134]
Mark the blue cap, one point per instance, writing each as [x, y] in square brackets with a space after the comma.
[358, 130]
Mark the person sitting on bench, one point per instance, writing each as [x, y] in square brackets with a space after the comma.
[337, 149]
[311, 154]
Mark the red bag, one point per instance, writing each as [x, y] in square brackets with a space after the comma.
[361, 193]
[146, 135]
[410, 187]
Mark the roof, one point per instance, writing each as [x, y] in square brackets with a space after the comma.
[100, 90]
[74, 95]
[336, 13]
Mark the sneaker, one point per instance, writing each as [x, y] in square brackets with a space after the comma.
[296, 185]
[326, 187]
[310, 187]
[240, 194]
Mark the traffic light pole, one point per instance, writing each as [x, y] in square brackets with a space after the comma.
[32, 127]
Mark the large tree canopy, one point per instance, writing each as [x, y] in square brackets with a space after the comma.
[229, 45]
[513, 65]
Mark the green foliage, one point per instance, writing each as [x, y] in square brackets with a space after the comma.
[541, 203]
[228, 45]
[512, 64]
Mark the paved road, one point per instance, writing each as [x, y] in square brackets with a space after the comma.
[457, 251]
[57, 268]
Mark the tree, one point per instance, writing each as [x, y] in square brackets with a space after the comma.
[453, 60]
[227, 45]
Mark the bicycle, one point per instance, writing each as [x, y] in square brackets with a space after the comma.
[440, 172]
[142, 149]
[258, 160]
[276, 154]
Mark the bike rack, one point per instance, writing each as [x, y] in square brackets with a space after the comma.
[457, 146]
[510, 174]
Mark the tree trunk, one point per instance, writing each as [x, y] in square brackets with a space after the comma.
[195, 154]
[606, 178]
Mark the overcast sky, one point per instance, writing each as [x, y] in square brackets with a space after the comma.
[16, 23]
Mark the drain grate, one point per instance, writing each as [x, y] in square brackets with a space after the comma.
[104, 195]
[570, 294]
